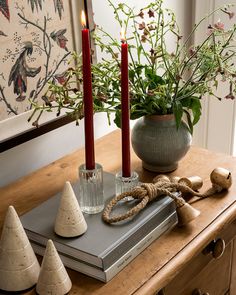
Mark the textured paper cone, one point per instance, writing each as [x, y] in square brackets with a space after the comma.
[186, 213]
[69, 221]
[19, 267]
[53, 278]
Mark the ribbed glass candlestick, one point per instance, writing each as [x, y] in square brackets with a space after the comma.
[91, 197]
[126, 184]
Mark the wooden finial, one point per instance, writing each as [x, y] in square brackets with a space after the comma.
[19, 267]
[53, 277]
[69, 221]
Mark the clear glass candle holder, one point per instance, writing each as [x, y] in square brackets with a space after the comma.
[91, 196]
[126, 184]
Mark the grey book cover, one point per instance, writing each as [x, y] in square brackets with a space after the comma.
[102, 244]
[108, 274]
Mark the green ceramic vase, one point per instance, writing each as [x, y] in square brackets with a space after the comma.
[158, 143]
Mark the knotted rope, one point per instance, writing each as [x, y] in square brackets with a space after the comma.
[148, 192]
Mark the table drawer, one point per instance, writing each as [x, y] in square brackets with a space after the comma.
[213, 279]
[204, 272]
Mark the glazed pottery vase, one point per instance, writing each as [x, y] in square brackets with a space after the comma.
[158, 143]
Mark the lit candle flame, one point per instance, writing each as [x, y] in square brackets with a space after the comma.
[83, 19]
[122, 35]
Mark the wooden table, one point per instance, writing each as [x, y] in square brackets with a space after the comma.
[169, 255]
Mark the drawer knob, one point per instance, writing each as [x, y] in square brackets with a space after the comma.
[216, 247]
[199, 292]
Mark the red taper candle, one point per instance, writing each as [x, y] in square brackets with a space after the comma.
[125, 113]
[88, 97]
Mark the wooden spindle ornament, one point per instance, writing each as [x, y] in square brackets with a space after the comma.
[194, 182]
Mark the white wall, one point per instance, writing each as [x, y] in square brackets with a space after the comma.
[27, 157]
[45, 149]
[103, 14]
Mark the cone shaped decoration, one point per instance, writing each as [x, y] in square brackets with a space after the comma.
[69, 221]
[53, 278]
[186, 213]
[19, 267]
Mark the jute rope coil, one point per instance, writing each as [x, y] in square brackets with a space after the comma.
[148, 192]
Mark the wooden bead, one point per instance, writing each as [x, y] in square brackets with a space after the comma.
[161, 177]
[221, 177]
[194, 182]
[174, 179]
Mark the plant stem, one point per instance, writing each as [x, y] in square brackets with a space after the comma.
[194, 54]
[197, 25]
[8, 105]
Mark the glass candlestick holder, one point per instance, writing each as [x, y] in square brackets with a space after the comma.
[126, 184]
[91, 198]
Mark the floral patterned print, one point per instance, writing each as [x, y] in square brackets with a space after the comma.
[36, 41]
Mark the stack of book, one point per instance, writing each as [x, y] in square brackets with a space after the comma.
[104, 249]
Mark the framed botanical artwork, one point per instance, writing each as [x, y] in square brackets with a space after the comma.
[36, 39]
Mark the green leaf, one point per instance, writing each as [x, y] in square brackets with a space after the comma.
[117, 119]
[148, 71]
[139, 69]
[194, 104]
[178, 112]
[153, 80]
[139, 51]
[121, 6]
[196, 109]
[190, 124]
[215, 84]
[131, 75]
[187, 101]
[136, 115]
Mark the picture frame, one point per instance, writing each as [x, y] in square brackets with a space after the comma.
[17, 130]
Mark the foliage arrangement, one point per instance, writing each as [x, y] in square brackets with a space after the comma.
[161, 81]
